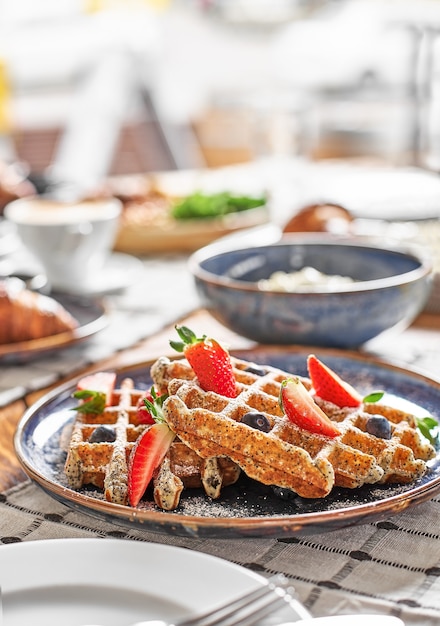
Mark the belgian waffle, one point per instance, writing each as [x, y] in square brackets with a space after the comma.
[105, 464]
[287, 456]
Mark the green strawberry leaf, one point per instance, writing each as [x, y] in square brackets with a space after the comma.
[188, 338]
[94, 401]
[155, 407]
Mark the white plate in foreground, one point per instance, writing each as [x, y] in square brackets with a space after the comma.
[113, 582]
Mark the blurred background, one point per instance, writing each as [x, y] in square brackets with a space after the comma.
[90, 88]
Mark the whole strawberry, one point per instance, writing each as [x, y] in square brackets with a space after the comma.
[210, 362]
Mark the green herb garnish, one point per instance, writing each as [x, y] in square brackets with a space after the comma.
[201, 205]
[94, 401]
[429, 427]
[373, 397]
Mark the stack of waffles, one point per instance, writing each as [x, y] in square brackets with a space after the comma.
[213, 445]
[288, 456]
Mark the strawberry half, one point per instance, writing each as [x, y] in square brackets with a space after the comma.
[146, 455]
[95, 391]
[329, 386]
[300, 408]
[210, 362]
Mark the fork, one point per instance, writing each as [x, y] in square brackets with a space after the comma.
[246, 609]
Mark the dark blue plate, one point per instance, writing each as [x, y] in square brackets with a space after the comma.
[246, 509]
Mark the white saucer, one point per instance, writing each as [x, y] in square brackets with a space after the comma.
[8, 237]
[120, 271]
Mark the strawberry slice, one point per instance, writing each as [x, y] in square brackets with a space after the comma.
[104, 382]
[329, 386]
[146, 455]
[300, 408]
[95, 392]
[209, 360]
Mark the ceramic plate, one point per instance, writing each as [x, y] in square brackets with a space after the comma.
[140, 234]
[90, 314]
[8, 237]
[113, 582]
[247, 508]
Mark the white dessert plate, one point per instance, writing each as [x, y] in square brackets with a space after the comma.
[114, 582]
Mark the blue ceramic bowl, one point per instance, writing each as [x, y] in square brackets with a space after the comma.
[391, 287]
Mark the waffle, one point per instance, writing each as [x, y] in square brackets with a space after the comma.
[105, 464]
[287, 456]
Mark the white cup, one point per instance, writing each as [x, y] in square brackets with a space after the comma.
[71, 241]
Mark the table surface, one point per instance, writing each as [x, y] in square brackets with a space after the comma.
[11, 473]
[422, 339]
[424, 332]
[389, 566]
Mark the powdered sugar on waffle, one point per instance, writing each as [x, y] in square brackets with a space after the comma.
[287, 456]
[213, 444]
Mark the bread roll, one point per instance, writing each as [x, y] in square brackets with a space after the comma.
[319, 218]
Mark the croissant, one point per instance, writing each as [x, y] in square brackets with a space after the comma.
[26, 314]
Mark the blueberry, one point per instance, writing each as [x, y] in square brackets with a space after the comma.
[103, 434]
[378, 426]
[256, 420]
[256, 369]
